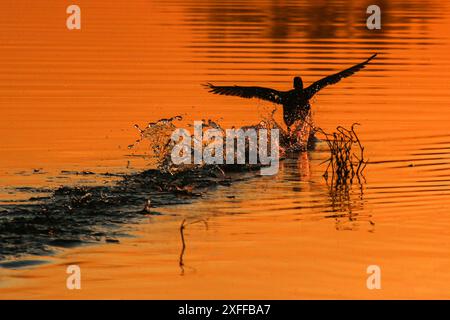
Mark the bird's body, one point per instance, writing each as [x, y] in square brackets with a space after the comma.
[295, 106]
[295, 102]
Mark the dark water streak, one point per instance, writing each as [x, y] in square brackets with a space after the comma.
[73, 216]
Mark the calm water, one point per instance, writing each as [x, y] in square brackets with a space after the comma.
[69, 100]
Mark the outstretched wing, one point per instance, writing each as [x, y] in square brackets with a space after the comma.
[247, 92]
[334, 78]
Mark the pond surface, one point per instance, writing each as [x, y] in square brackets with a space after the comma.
[69, 101]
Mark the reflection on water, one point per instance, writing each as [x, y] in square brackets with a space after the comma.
[183, 226]
[69, 102]
[293, 21]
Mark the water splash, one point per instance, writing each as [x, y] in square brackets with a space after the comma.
[158, 137]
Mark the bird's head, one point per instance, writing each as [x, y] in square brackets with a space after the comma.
[298, 83]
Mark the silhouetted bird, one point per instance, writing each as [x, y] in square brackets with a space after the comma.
[296, 101]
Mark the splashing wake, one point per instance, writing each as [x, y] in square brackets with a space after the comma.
[73, 216]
